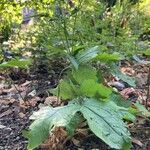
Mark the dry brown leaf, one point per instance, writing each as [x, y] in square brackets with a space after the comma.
[128, 70]
[7, 112]
[125, 93]
[7, 101]
[76, 142]
[83, 131]
[56, 139]
[50, 100]
[33, 101]
[21, 115]
[138, 142]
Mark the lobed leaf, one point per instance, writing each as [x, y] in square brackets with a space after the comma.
[103, 118]
[147, 52]
[45, 120]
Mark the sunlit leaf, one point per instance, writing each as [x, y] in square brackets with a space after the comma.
[16, 63]
[147, 52]
[108, 57]
[84, 73]
[65, 90]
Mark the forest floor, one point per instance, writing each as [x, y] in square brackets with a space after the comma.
[21, 94]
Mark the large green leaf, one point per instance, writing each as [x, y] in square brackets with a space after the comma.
[105, 120]
[46, 119]
[118, 99]
[16, 63]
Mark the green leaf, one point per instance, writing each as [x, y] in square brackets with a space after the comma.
[104, 91]
[142, 109]
[87, 55]
[105, 120]
[147, 52]
[84, 73]
[91, 88]
[65, 90]
[73, 62]
[16, 63]
[118, 99]
[116, 72]
[45, 120]
[108, 57]
[74, 122]
[129, 116]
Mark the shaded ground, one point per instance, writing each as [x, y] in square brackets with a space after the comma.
[14, 113]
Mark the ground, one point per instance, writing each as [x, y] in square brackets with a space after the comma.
[21, 94]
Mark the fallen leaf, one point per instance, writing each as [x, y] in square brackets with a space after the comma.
[76, 142]
[138, 142]
[21, 115]
[7, 112]
[50, 100]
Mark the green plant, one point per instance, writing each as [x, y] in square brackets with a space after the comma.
[84, 88]
[83, 32]
[103, 115]
[96, 103]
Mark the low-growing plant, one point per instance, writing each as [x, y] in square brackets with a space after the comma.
[86, 34]
[88, 99]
